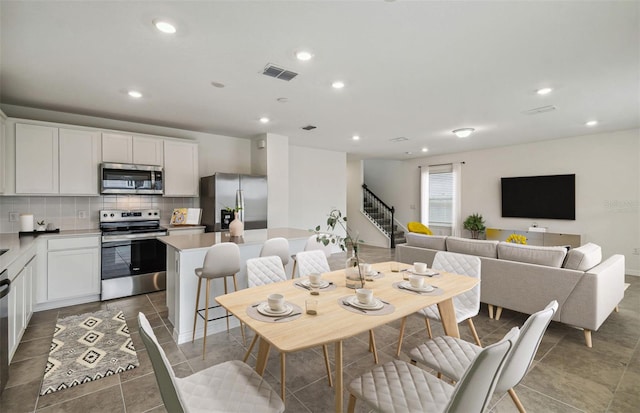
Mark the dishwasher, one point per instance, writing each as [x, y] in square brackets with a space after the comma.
[5, 286]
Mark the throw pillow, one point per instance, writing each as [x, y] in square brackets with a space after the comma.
[419, 227]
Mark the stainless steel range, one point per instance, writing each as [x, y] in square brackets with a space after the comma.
[133, 260]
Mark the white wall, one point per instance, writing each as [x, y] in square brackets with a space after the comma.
[607, 168]
[317, 184]
[278, 180]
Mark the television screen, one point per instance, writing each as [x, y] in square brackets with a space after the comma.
[550, 196]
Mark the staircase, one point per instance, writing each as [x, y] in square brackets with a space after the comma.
[382, 216]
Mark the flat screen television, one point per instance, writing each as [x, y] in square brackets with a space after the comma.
[549, 196]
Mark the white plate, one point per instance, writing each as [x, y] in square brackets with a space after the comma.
[428, 272]
[425, 289]
[264, 309]
[307, 283]
[376, 305]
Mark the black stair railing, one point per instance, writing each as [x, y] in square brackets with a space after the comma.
[379, 212]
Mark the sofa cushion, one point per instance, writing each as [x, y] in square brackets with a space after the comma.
[584, 258]
[549, 256]
[434, 242]
[419, 228]
[479, 248]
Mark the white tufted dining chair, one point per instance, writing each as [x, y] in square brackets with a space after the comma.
[311, 245]
[310, 262]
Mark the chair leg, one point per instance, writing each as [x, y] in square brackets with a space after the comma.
[426, 320]
[206, 317]
[490, 310]
[325, 350]
[235, 288]
[253, 343]
[226, 292]
[617, 309]
[498, 313]
[516, 401]
[293, 272]
[351, 407]
[472, 327]
[195, 315]
[283, 377]
[587, 337]
[402, 326]
[372, 345]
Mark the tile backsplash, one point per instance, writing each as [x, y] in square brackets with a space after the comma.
[65, 211]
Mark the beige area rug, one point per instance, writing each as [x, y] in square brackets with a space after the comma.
[88, 347]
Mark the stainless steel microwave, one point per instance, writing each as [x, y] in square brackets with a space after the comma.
[119, 178]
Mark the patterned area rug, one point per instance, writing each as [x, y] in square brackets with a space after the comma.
[88, 347]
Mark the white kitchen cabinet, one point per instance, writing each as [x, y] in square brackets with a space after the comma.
[73, 267]
[80, 155]
[180, 168]
[117, 148]
[3, 133]
[20, 302]
[148, 151]
[36, 159]
[186, 230]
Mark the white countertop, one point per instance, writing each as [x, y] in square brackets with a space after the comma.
[251, 237]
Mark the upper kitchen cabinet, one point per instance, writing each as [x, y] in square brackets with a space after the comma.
[3, 151]
[36, 159]
[121, 148]
[180, 168]
[79, 162]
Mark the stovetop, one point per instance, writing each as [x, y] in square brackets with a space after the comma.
[114, 222]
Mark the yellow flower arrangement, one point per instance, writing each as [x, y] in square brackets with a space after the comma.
[517, 239]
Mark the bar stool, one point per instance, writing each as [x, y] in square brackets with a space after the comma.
[276, 246]
[221, 261]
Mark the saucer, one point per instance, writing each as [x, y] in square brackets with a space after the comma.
[264, 309]
[425, 289]
[429, 272]
[307, 283]
[375, 305]
[373, 275]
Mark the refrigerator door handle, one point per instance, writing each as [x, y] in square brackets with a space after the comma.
[240, 203]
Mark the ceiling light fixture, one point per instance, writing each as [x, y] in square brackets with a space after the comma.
[425, 149]
[304, 55]
[134, 94]
[592, 123]
[464, 132]
[355, 137]
[337, 84]
[264, 119]
[544, 91]
[164, 27]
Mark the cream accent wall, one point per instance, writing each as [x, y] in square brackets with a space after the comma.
[607, 168]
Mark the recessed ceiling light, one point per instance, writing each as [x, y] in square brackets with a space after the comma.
[592, 123]
[425, 149]
[544, 91]
[304, 55]
[337, 84]
[264, 119]
[464, 132]
[134, 94]
[355, 137]
[164, 26]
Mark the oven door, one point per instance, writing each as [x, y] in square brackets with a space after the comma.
[130, 179]
[128, 257]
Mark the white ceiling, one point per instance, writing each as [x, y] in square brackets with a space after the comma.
[412, 69]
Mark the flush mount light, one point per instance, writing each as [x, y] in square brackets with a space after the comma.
[355, 137]
[134, 94]
[304, 55]
[544, 91]
[464, 132]
[264, 119]
[164, 26]
[337, 84]
[425, 149]
[592, 123]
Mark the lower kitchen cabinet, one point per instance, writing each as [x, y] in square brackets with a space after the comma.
[20, 302]
[73, 267]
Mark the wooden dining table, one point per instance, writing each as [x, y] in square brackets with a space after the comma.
[334, 323]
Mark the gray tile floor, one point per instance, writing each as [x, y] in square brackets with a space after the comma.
[566, 375]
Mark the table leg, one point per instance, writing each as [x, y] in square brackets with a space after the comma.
[263, 355]
[339, 385]
[448, 316]
[283, 376]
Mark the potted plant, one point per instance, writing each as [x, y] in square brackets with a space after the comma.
[474, 224]
[41, 226]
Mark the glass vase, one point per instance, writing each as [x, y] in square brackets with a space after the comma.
[352, 273]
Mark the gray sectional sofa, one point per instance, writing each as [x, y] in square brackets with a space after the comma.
[526, 278]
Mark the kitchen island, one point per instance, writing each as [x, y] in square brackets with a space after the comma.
[185, 253]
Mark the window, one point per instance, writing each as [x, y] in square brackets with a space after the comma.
[440, 196]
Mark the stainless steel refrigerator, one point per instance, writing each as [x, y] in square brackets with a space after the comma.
[223, 190]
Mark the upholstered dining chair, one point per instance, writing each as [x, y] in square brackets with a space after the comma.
[221, 261]
[451, 356]
[467, 305]
[314, 261]
[276, 246]
[398, 386]
[228, 387]
[311, 245]
[267, 270]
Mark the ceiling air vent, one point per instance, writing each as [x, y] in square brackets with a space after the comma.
[308, 127]
[278, 72]
[542, 109]
[399, 139]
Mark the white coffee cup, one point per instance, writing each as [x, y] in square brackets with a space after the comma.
[420, 267]
[417, 281]
[276, 302]
[315, 279]
[364, 295]
[365, 268]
